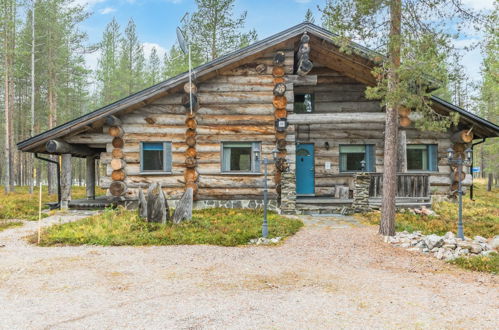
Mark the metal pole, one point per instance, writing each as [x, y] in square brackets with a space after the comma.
[460, 232]
[265, 228]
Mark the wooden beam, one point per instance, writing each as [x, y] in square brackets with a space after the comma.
[90, 178]
[336, 118]
[60, 147]
[66, 181]
[296, 80]
[113, 121]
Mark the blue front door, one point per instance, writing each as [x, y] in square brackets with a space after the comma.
[305, 169]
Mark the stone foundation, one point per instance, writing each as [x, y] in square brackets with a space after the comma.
[361, 193]
[231, 204]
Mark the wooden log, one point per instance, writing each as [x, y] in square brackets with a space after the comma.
[279, 80]
[404, 111]
[454, 176]
[90, 177]
[459, 147]
[278, 71]
[190, 162]
[66, 181]
[186, 101]
[304, 66]
[296, 80]
[190, 133]
[117, 153]
[341, 192]
[183, 209]
[279, 102]
[190, 88]
[279, 58]
[191, 152]
[191, 123]
[113, 121]
[279, 89]
[116, 131]
[117, 164]
[117, 188]
[118, 142]
[118, 175]
[336, 118]
[281, 144]
[464, 136]
[304, 50]
[157, 207]
[190, 141]
[142, 205]
[280, 113]
[280, 135]
[261, 68]
[190, 175]
[60, 147]
[404, 122]
[282, 164]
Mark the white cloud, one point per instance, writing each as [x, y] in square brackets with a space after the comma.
[148, 46]
[479, 4]
[107, 10]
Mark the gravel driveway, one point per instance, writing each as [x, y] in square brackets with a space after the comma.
[323, 277]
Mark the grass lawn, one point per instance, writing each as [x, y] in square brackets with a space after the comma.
[22, 205]
[217, 226]
[9, 224]
[480, 217]
[488, 263]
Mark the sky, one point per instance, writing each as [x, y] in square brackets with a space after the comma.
[156, 21]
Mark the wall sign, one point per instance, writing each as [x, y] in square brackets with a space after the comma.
[281, 124]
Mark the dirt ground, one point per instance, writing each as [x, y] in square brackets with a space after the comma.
[323, 277]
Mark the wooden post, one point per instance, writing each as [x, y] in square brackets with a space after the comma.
[402, 151]
[489, 182]
[90, 178]
[66, 180]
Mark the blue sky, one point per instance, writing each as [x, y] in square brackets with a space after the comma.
[156, 20]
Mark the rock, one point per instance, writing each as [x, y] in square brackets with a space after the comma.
[435, 249]
[433, 240]
[405, 245]
[480, 239]
[487, 253]
[448, 255]
[449, 246]
[449, 235]
[494, 242]
[476, 248]
[439, 254]
[450, 241]
[464, 244]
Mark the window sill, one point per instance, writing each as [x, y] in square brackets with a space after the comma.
[155, 173]
[420, 172]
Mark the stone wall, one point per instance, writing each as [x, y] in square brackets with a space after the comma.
[361, 193]
[288, 193]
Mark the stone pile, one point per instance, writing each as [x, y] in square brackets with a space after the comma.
[265, 241]
[361, 193]
[445, 247]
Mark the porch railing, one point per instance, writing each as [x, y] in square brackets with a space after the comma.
[408, 185]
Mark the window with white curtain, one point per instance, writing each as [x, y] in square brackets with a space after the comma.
[240, 157]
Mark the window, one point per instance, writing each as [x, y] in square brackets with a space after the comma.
[422, 157]
[304, 103]
[156, 157]
[351, 157]
[240, 157]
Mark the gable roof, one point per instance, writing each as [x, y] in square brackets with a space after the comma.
[140, 98]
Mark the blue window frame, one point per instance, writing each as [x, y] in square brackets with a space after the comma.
[351, 157]
[422, 157]
[155, 157]
[240, 157]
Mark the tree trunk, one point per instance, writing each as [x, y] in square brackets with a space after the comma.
[490, 181]
[90, 178]
[32, 128]
[387, 224]
[66, 181]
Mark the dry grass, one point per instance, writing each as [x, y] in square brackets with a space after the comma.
[9, 224]
[488, 263]
[23, 205]
[217, 226]
[480, 217]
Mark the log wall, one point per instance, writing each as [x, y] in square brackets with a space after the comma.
[236, 105]
[335, 93]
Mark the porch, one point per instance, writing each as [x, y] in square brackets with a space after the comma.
[413, 190]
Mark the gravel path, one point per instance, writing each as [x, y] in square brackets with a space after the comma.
[323, 277]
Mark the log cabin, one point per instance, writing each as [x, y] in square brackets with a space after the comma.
[293, 99]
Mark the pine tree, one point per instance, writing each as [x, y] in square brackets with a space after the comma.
[132, 62]
[153, 68]
[107, 73]
[215, 30]
[309, 17]
[415, 40]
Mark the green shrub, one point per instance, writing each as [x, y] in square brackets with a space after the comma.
[217, 226]
[488, 263]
